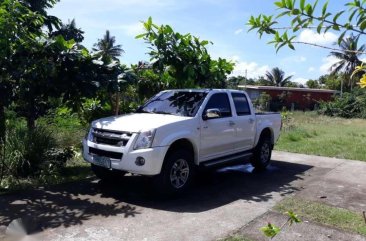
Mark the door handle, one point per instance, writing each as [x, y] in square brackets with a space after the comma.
[251, 120]
[231, 123]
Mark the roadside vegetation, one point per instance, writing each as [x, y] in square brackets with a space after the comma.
[311, 133]
[51, 87]
[324, 214]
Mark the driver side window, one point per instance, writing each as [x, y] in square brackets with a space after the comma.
[219, 101]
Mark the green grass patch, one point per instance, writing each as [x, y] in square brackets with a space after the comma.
[236, 238]
[310, 133]
[324, 214]
[75, 170]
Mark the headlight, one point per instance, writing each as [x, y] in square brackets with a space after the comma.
[145, 139]
[89, 136]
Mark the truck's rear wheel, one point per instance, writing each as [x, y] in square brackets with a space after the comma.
[177, 172]
[105, 174]
[262, 153]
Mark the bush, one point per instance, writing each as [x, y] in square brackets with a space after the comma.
[93, 109]
[28, 153]
[350, 105]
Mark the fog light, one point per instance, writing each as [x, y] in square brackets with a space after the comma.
[140, 161]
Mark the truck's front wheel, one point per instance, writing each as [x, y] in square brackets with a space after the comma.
[177, 172]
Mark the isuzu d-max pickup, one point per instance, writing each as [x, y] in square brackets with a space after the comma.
[178, 132]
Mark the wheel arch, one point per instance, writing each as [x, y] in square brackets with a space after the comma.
[185, 144]
[266, 133]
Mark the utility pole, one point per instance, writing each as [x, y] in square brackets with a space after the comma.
[246, 77]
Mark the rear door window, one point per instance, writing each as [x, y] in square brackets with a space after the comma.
[241, 104]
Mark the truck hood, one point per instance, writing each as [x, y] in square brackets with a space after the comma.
[137, 122]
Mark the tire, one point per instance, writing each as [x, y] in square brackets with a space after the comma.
[105, 174]
[262, 153]
[176, 174]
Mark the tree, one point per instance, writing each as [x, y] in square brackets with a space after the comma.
[107, 49]
[352, 21]
[348, 57]
[70, 31]
[14, 14]
[184, 57]
[277, 77]
[312, 84]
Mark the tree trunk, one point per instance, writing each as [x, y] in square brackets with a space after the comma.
[117, 104]
[2, 120]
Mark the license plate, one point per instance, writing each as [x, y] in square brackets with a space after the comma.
[102, 161]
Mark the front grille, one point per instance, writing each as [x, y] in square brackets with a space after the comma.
[113, 138]
[110, 154]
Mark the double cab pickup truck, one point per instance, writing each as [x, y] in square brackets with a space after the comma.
[178, 132]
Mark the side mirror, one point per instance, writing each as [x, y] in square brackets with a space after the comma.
[211, 114]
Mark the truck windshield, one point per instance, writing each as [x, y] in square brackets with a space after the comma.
[182, 103]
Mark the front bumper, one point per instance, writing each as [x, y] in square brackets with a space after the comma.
[154, 157]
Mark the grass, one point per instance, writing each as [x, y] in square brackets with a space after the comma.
[310, 133]
[68, 132]
[324, 214]
[236, 238]
[75, 169]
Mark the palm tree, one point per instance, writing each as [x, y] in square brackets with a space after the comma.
[70, 31]
[106, 48]
[276, 77]
[348, 57]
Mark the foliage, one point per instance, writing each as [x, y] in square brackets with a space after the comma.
[325, 214]
[263, 101]
[350, 105]
[304, 15]
[359, 70]
[306, 132]
[272, 230]
[276, 77]
[93, 109]
[29, 152]
[313, 84]
[13, 14]
[107, 50]
[184, 58]
[69, 31]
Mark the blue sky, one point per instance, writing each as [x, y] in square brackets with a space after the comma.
[222, 22]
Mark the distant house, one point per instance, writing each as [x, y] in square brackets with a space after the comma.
[291, 98]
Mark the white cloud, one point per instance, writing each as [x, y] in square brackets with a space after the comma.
[292, 59]
[300, 80]
[238, 31]
[311, 69]
[327, 63]
[249, 69]
[130, 29]
[310, 36]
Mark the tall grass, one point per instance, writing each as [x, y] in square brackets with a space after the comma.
[311, 133]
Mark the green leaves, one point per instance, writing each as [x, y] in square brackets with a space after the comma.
[184, 57]
[309, 15]
[270, 230]
[293, 218]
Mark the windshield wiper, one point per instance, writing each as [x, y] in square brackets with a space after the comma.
[162, 112]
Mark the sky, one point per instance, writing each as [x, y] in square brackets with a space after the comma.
[222, 22]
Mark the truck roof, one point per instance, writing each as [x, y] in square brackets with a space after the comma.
[206, 90]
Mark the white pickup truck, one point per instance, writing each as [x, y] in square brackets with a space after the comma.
[180, 131]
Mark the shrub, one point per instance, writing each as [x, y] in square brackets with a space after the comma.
[350, 105]
[93, 109]
[27, 153]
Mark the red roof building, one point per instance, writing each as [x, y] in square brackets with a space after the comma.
[291, 98]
